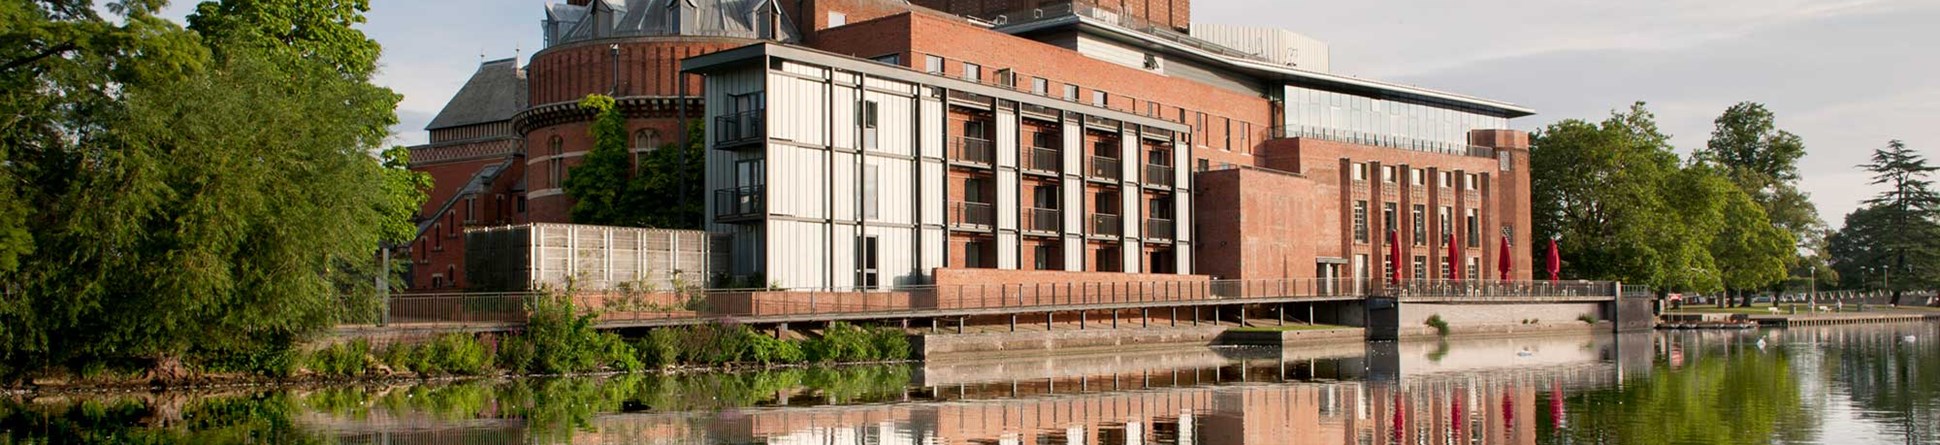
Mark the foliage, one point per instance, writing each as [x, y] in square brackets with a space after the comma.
[516, 354]
[1435, 321]
[661, 347]
[453, 354]
[770, 350]
[892, 344]
[341, 360]
[1763, 161]
[317, 31]
[843, 342]
[599, 182]
[1586, 318]
[563, 338]
[1894, 237]
[154, 187]
[668, 191]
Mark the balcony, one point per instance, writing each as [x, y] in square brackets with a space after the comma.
[740, 129]
[1105, 224]
[1159, 229]
[740, 204]
[1043, 160]
[973, 215]
[1159, 175]
[974, 151]
[1104, 168]
[1041, 220]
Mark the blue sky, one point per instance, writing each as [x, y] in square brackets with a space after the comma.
[1846, 75]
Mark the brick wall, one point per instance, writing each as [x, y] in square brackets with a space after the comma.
[647, 65]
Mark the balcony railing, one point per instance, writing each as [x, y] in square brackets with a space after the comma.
[740, 129]
[1159, 228]
[1041, 220]
[739, 204]
[1104, 168]
[973, 215]
[973, 150]
[1043, 160]
[1105, 224]
[1160, 175]
[1381, 140]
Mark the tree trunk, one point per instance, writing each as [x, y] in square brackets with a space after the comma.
[1896, 298]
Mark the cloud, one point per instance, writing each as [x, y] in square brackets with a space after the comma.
[1844, 75]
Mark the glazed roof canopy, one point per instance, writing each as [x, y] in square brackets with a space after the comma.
[599, 19]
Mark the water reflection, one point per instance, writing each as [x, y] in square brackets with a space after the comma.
[1813, 385]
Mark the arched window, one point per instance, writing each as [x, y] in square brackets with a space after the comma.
[556, 168]
[644, 141]
[451, 275]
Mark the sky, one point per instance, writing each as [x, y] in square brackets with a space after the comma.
[1845, 75]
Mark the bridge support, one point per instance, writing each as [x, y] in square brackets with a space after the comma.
[1383, 319]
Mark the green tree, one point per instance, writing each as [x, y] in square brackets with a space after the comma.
[1615, 194]
[598, 185]
[316, 30]
[1909, 205]
[1763, 161]
[668, 188]
[215, 209]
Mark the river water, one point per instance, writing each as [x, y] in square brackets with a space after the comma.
[1832, 385]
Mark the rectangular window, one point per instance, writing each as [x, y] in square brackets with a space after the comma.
[1474, 225]
[867, 272]
[973, 254]
[1474, 268]
[1421, 267]
[1388, 214]
[1071, 92]
[1418, 176]
[1420, 217]
[973, 72]
[1039, 86]
[1044, 196]
[1448, 221]
[1387, 174]
[1007, 78]
[1448, 180]
[1474, 182]
[838, 19]
[1229, 134]
[1046, 140]
[868, 117]
[871, 196]
[1045, 257]
[1099, 98]
[1360, 222]
[973, 191]
[890, 59]
[933, 64]
[520, 201]
[1360, 171]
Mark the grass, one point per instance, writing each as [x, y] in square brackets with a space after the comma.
[1288, 328]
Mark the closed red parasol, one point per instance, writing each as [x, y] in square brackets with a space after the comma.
[1454, 260]
[1394, 257]
[1503, 262]
[1555, 261]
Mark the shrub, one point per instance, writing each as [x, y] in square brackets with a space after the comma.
[661, 347]
[563, 339]
[1441, 326]
[341, 360]
[1587, 318]
[455, 353]
[843, 342]
[892, 344]
[769, 350]
[401, 357]
[612, 351]
[515, 354]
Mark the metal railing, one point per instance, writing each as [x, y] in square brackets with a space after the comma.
[1159, 228]
[1041, 220]
[509, 310]
[1105, 224]
[1104, 167]
[1456, 289]
[1044, 160]
[973, 150]
[1379, 140]
[1160, 175]
[740, 203]
[740, 128]
[973, 215]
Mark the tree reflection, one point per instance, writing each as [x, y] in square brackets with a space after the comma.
[1738, 394]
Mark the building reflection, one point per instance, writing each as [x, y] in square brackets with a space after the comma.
[1479, 392]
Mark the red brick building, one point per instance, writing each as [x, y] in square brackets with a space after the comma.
[1292, 172]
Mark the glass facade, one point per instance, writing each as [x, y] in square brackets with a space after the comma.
[1350, 118]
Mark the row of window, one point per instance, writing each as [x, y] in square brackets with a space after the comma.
[1234, 132]
[1417, 176]
[1419, 219]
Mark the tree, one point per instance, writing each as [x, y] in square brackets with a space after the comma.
[316, 30]
[1896, 235]
[215, 209]
[668, 189]
[1763, 162]
[1607, 189]
[598, 185]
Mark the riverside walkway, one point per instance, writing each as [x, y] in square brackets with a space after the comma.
[619, 309]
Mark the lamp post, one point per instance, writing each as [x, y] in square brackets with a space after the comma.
[1812, 296]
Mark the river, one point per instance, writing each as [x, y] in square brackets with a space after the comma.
[1833, 385]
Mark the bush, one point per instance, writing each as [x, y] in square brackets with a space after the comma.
[1587, 318]
[401, 357]
[770, 351]
[892, 344]
[843, 342]
[454, 353]
[613, 352]
[341, 360]
[661, 347]
[1441, 326]
[563, 339]
[515, 354]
